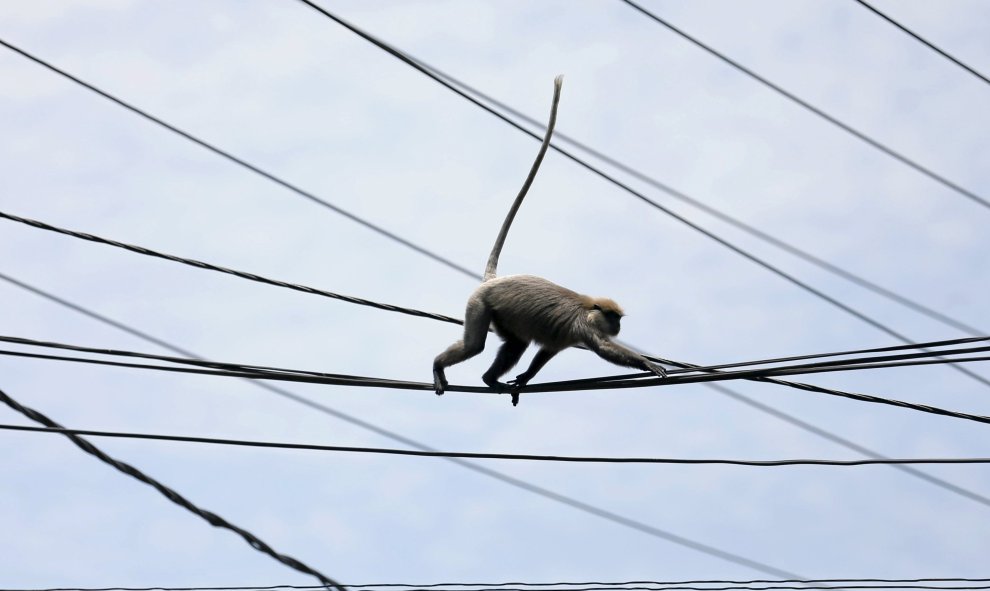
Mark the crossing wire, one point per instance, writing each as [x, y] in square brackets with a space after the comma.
[210, 517]
[817, 111]
[485, 455]
[406, 59]
[923, 41]
[512, 481]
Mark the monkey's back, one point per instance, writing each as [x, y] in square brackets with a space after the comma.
[531, 308]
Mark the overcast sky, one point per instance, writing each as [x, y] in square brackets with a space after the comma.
[287, 89]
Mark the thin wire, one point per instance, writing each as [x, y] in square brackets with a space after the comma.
[489, 456]
[808, 106]
[719, 214]
[212, 518]
[403, 57]
[848, 444]
[586, 586]
[569, 386]
[518, 483]
[923, 41]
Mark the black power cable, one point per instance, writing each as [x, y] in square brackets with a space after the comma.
[488, 456]
[219, 269]
[269, 370]
[212, 518]
[613, 382]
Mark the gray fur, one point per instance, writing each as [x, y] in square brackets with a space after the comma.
[526, 308]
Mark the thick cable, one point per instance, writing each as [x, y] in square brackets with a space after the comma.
[487, 456]
[598, 380]
[210, 517]
[211, 267]
[567, 386]
[923, 41]
[945, 182]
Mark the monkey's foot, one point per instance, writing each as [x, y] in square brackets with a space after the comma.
[439, 382]
[516, 385]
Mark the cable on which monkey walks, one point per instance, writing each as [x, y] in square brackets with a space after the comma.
[702, 374]
[212, 518]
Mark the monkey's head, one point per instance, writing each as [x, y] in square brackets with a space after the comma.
[605, 315]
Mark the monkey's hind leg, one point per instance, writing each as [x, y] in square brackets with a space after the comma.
[508, 356]
[539, 360]
[476, 323]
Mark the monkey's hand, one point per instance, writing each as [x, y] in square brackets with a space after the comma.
[656, 369]
[439, 381]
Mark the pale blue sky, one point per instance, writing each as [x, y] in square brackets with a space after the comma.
[289, 90]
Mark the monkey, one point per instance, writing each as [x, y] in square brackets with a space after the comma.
[524, 309]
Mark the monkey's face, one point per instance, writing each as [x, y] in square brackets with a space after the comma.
[606, 320]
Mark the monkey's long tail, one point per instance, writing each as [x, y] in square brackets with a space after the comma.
[497, 249]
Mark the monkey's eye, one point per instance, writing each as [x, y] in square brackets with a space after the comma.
[613, 316]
